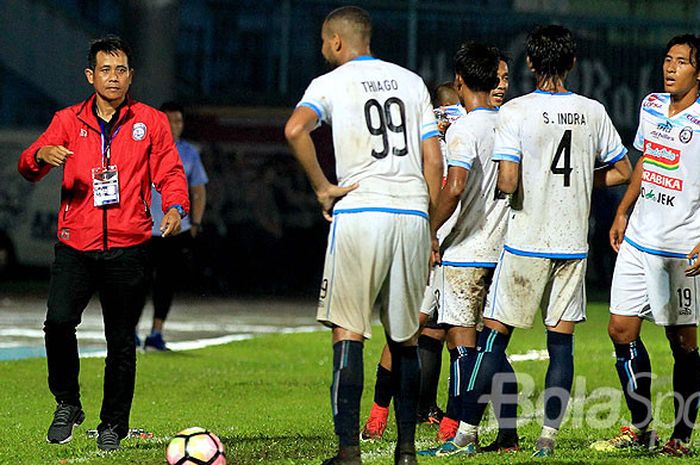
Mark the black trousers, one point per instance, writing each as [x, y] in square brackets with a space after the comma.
[172, 260]
[120, 278]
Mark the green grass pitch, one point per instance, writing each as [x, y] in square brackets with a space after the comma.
[268, 400]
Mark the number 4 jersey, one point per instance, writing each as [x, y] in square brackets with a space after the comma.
[556, 138]
[380, 113]
[665, 220]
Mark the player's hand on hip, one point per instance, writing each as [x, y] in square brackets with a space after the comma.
[171, 223]
[617, 231]
[54, 155]
[694, 268]
[329, 196]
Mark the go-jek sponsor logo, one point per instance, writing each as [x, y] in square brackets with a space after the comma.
[661, 156]
[658, 197]
[659, 179]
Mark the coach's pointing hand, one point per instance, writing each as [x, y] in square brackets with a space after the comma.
[54, 155]
[171, 223]
[329, 196]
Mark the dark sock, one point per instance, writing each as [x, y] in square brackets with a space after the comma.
[452, 408]
[506, 406]
[346, 391]
[382, 387]
[406, 373]
[634, 370]
[560, 377]
[490, 352]
[461, 372]
[686, 383]
[430, 353]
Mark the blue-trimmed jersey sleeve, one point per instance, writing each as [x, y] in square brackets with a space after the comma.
[462, 146]
[507, 145]
[610, 148]
[639, 136]
[317, 98]
[429, 126]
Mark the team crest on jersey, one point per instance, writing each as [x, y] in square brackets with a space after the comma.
[83, 132]
[138, 132]
[661, 156]
[686, 134]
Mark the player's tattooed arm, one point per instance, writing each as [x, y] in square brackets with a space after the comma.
[694, 267]
[618, 173]
[298, 133]
[617, 231]
[54, 155]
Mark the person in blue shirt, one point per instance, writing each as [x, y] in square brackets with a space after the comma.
[171, 254]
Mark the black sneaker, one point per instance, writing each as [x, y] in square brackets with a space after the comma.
[65, 418]
[504, 443]
[346, 456]
[432, 416]
[108, 439]
[405, 455]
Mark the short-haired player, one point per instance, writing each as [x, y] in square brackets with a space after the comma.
[547, 144]
[654, 277]
[389, 170]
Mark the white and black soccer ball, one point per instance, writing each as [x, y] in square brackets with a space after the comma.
[195, 446]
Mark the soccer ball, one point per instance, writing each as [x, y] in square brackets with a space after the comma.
[195, 446]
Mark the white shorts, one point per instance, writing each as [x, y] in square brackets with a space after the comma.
[375, 257]
[522, 285]
[429, 305]
[653, 287]
[461, 292]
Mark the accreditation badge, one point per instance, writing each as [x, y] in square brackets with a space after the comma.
[105, 185]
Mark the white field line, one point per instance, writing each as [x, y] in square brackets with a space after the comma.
[529, 356]
[214, 341]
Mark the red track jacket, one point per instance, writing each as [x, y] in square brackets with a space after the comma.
[143, 151]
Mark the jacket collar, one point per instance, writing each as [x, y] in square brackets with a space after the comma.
[87, 116]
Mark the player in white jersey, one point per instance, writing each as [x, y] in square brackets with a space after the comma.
[447, 110]
[470, 251]
[657, 249]
[389, 168]
[547, 143]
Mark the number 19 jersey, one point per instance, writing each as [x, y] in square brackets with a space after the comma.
[556, 138]
[380, 113]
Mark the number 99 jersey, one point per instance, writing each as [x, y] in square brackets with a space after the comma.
[556, 138]
[380, 113]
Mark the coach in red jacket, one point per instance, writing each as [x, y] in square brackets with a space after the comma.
[111, 149]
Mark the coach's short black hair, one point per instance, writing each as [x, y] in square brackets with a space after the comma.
[355, 18]
[692, 41]
[172, 106]
[552, 51]
[108, 44]
[477, 64]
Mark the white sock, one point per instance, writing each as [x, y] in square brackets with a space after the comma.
[549, 433]
[465, 433]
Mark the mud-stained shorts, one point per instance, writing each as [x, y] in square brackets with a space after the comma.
[522, 285]
[460, 293]
[653, 287]
[375, 257]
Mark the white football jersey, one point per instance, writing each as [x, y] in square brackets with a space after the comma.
[446, 116]
[380, 113]
[666, 220]
[557, 138]
[477, 236]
